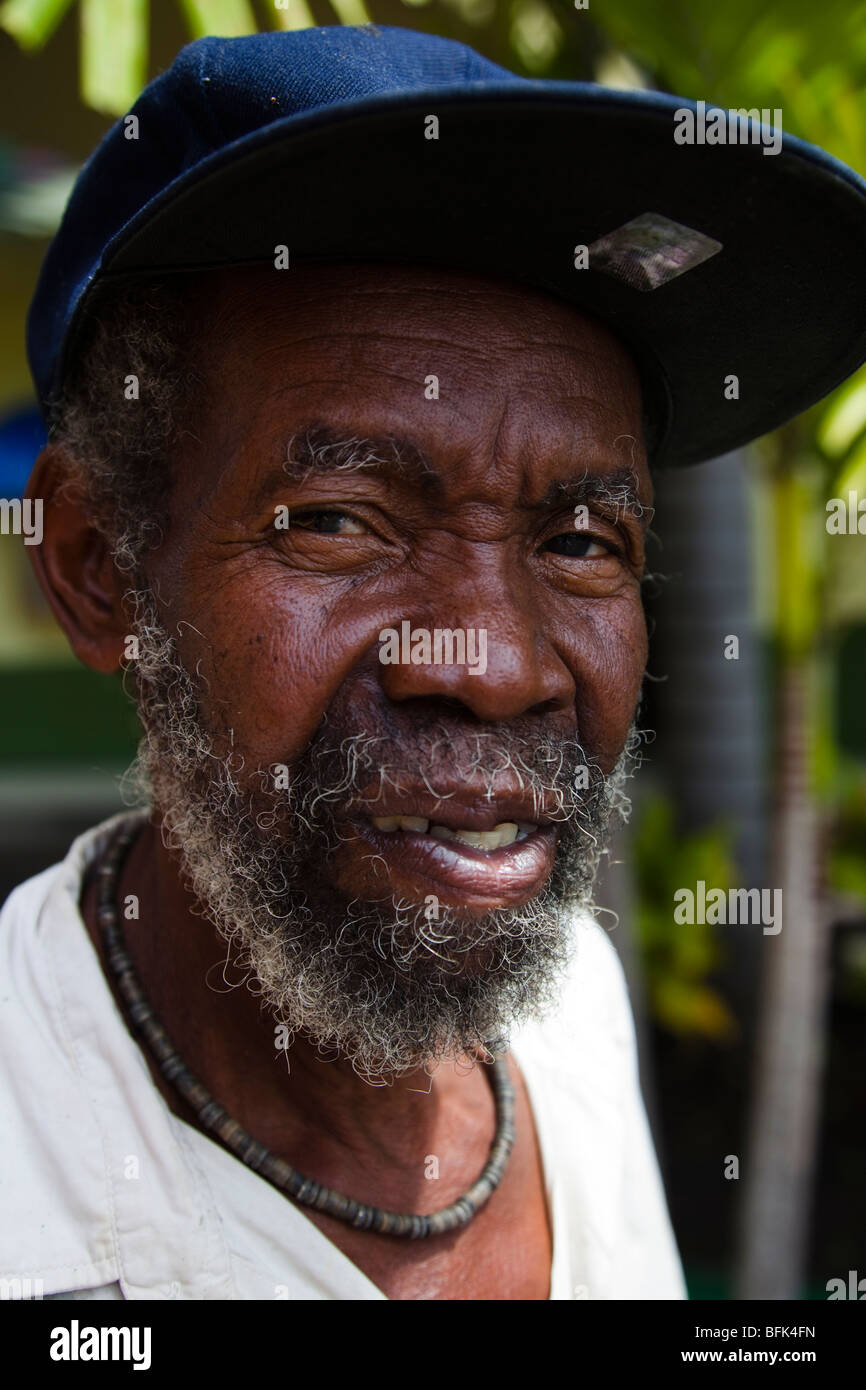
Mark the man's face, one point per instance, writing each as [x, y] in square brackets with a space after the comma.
[334, 490]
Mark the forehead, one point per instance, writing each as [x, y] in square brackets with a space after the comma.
[475, 372]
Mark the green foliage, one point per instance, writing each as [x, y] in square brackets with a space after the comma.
[846, 865]
[846, 874]
[113, 52]
[843, 421]
[807, 59]
[230, 18]
[679, 960]
[31, 22]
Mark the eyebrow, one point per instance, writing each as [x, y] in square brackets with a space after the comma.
[615, 492]
[318, 449]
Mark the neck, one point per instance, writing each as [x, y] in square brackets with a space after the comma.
[292, 1100]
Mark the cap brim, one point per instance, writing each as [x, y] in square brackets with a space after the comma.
[514, 183]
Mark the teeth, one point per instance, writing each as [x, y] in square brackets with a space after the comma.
[441, 832]
[506, 833]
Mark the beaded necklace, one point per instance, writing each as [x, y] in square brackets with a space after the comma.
[212, 1116]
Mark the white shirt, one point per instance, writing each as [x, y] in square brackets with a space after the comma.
[104, 1193]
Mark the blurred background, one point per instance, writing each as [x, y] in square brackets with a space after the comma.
[753, 1046]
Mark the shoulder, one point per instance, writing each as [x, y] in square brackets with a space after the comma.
[36, 902]
[582, 1054]
[52, 1191]
[592, 1002]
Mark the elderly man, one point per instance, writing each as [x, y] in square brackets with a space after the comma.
[356, 489]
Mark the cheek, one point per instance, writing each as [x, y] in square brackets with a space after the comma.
[266, 673]
[609, 656]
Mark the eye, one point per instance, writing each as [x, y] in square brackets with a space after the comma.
[578, 545]
[327, 523]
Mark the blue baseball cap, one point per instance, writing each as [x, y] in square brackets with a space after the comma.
[731, 267]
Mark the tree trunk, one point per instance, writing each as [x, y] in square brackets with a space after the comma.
[784, 1117]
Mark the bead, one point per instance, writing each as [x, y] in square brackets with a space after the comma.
[304, 1190]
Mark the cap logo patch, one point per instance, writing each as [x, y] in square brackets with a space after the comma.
[650, 250]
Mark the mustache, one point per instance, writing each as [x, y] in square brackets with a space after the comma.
[399, 750]
[342, 772]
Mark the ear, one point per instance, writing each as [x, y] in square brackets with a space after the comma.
[74, 567]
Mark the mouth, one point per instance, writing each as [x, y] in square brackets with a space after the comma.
[475, 860]
[506, 833]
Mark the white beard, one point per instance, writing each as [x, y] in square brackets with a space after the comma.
[375, 982]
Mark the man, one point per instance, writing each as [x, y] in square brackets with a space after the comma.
[354, 482]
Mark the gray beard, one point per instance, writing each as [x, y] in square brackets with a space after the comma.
[391, 985]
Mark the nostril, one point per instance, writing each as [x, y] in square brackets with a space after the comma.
[444, 706]
[553, 706]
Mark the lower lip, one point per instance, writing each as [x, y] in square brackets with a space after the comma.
[462, 874]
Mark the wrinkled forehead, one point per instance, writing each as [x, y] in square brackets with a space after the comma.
[445, 360]
[241, 299]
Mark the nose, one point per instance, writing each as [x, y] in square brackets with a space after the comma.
[483, 646]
